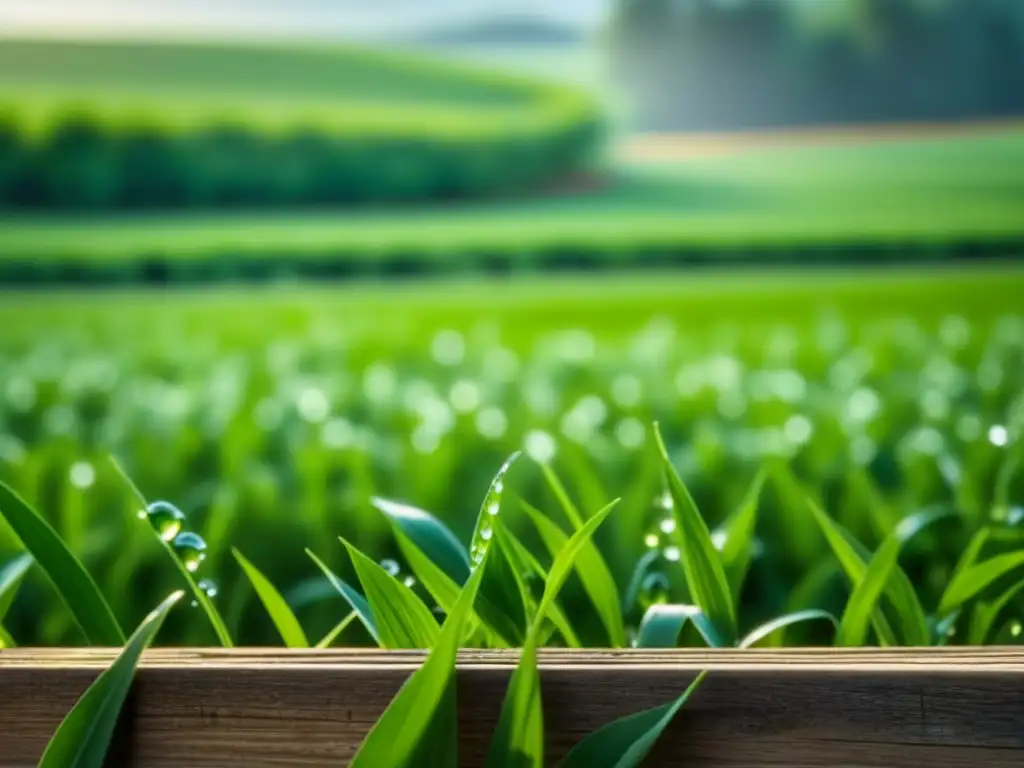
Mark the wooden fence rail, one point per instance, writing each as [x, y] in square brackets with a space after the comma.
[940, 708]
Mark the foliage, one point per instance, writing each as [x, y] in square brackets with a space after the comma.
[813, 204]
[708, 65]
[90, 126]
[274, 424]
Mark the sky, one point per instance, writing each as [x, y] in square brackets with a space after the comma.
[348, 19]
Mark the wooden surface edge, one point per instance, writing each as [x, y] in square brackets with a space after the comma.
[950, 660]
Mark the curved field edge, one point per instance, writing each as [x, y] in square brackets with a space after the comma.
[886, 201]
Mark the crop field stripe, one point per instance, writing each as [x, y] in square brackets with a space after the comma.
[802, 708]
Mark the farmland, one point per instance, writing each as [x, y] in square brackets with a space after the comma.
[271, 421]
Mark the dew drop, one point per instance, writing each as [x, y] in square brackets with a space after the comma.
[390, 566]
[651, 541]
[167, 520]
[191, 549]
[1016, 628]
[668, 525]
[665, 500]
[409, 581]
[673, 554]
[654, 590]
[499, 486]
[493, 508]
[209, 587]
[486, 533]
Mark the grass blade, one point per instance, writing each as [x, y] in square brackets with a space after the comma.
[519, 737]
[83, 737]
[395, 737]
[973, 580]
[11, 576]
[198, 593]
[432, 537]
[591, 567]
[354, 599]
[68, 576]
[501, 631]
[701, 562]
[523, 561]
[662, 624]
[738, 532]
[402, 619]
[986, 613]
[869, 590]
[284, 620]
[627, 741]
[6, 641]
[328, 640]
[781, 622]
[853, 558]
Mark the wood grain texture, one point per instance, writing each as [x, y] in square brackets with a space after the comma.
[943, 708]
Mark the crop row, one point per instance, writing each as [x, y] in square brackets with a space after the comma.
[272, 431]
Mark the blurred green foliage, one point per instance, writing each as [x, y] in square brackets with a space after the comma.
[930, 197]
[272, 421]
[712, 65]
[129, 126]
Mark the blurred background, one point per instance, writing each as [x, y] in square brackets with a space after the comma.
[279, 257]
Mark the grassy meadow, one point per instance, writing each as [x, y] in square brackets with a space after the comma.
[272, 420]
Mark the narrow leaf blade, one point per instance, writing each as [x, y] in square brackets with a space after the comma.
[352, 597]
[68, 576]
[702, 565]
[284, 620]
[83, 737]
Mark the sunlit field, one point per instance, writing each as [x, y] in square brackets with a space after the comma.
[272, 421]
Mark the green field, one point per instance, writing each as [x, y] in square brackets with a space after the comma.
[87, 126]
[942, 192]
[271, 419]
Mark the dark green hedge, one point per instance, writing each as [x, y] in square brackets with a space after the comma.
[335, 266]
[82, 162]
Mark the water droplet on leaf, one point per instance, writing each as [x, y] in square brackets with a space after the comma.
[167, 520]
[390, 566]
[191, 549]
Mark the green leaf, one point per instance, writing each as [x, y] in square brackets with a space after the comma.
[6, 641]
[519, 737]
[10, 579]
[977, 578]
[869, 590]
[662, 624]
[627, 741]
[327, 640]
[523, 561]
[986, 613]
[853, 558]
[738, 532]
[425, 698]
[354, 599]
[701, 562]
[781, 622]
[284, 620]
[83, 737]
[68, 576]
[198, 593]
[432, 537]
[593, 570]
[502, 631]
[401, 617]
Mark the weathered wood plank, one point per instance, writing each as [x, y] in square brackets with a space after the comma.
[801, 708]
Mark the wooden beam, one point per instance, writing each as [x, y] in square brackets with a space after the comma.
[944, 708]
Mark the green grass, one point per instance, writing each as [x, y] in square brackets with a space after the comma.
[181, 83]
[928, 191]
[274, 420]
